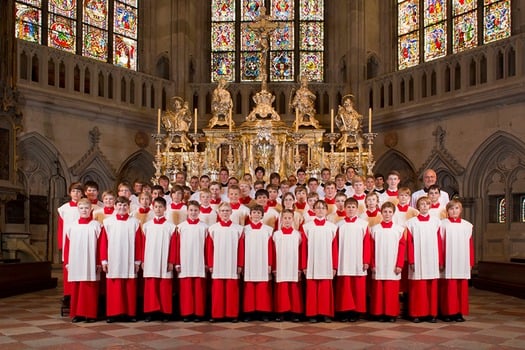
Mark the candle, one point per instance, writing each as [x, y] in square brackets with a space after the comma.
[158, 122]
[332, 120]
[195, 126]
[296, 120]
[220, 155]
[231, 120]
[369, 120]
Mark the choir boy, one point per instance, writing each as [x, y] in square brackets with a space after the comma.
[108, 198]
[270, 216]
[240, 212]
[224, 255]
[273, 194]
[340, 212]
[358, 185]
[301, 199]
[144, 212]
[207, 214]
[388, 251]
[353, 263]
[372, 214]
[309, 213]
[191, 264]
[319, 262]
[329, 196]
[158, 260]
[215, 191]
[437, 209]
[390, 195]
[289, 203]
[91, 193]
[404, 211]
[82, 261]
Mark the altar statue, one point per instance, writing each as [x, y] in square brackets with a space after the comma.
[221, 105]
[348, 120]
[177, 120]
[303, 104]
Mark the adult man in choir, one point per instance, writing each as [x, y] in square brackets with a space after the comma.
[429, 179]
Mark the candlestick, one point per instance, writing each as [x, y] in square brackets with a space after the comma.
[158, 121]
[195, 126]
[296, 120]
[369, 119]
[220, 155]
[332, 120]
[231, 121]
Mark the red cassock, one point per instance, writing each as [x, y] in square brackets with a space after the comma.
[319, 257]
[121, 249]
[388, 246]
[68, 214]
[190, 257]
[224, 255]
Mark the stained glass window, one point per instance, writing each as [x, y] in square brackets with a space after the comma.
[296, 46]
[83, 27]
[426, 22]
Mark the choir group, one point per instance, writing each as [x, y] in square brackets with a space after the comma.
[286, 250]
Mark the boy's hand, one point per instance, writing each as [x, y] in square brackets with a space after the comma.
[442, 268]
[365, 267]
[210, 269]
[105, 268]
[170, 267]
[397, 270]
[412, 267]
[98, 268]
[239, 270]
[334, 272]
[137, 268]
[177, 268]
[299, 275]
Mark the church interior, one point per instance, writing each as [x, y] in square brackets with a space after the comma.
[438, 84]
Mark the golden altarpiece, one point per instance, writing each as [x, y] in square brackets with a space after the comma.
[263, 139]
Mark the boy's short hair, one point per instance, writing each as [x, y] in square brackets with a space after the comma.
[234, 187]
[258, 182]
[388, 205]
[257, 207]
[261, 192]
[245, 182]
[422, 199]
[215, 183]
[300, 189]
[287, 211]
[260, 168]
[84, 201]
[453, 202]
[158, 188]
[145, 194]
[91, 184]
[76, 186]
[329, 183]
[108, 193]
[122, 199]
[164, 177]
[312, 179]
[161, 201]
[275, 176]
[176, 188]
[340, 176]
[272, 187]
[300, 170]
[351, 200]
[372, 194]
[404, 190]
[321, 203]
[204, 177]
[434, 187]
[340, 194]
[285, 183]
[124, 184]
[224, 204]
[204, 191]
[394, 172]
[312, 195]
[357, 178]
[194, 203]
[379, 175]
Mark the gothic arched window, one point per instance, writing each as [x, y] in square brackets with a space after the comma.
[296, 47]
[430, 29]
[105, 30]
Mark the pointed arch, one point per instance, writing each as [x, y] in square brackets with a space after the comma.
[395, 160]
[139, 165]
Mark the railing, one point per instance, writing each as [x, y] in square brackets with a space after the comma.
[471, 73]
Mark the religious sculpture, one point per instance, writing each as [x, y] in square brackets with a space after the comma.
[177, 120]
[303, 104]
[348, 120]
[221, 106]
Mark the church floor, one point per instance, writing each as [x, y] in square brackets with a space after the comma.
[33, 321]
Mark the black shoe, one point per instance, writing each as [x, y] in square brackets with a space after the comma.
[77, 319]
[279, 319]
[186, 319]
[234, 320]
[165, 318]
[327, 319]
[391, 319]
[91, 320]
[197, 319]
[265, 319]
[212, 320]
[353, 318]
[295, 319]
[432, 320]
[313, 320]
[460, 318]
[111, 320]
[382, 319]
[416, 320]
[246, 319]
[344, 319]
[132, 319]
[148, 318]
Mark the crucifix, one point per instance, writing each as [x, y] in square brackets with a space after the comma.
[264, 26]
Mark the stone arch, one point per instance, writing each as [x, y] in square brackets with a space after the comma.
[137, 166]
[395, 160]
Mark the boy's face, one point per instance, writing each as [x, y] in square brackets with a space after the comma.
[285, 188]
[380, 182]
[340, 202]
[330, 191]
[387, 214]
[124, 191]
[287, 220]
[156, 194]
[144, 201]
[404, 198]
[392, 181]
[262, 200]
[325, 175]
[204, 182]
[91, 193]
[256, 216]
[288, 202]
[122, 208]
[223, 176]
[433, 195]
[320, 210]
[259, 174]
[75, 194]
[109, 201]
[137, 187]
[193, 212]
[84, 210]
[350, 173]
[215, 191]
[454, 211]
[293, 180]
[312, 186]
[311, 201]
[272, 194]
[370, 184]
[205, 198]
[351, 210]
[301, 177]
[164, 183]
[359, 187]
[423, 207]
[179, 178]
[224, 213]
[258, 187]
[233, 195]
[275, 181]
[301, 196]
[146, 189]
[177, 196]
[371, 202]
[340, 182]
[158, 209]
[194, 184]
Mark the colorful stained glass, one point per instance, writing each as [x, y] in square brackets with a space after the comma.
[61, 33]
[222, 66]
[66, 8]
[311, 36]
[96, 13]
[250, 66]
[488, 2]
[130, 2]
[311, 65]
[95, 43]
[408, 54]
[223, 10]
[435, 41]
[35, 3]
[408, 17]
[282, 38]
[465, 32]
[125, 21]
[281, 66]
[223, 36]
[462, 6]
[283, 10]
[124, 52]
[435, 11]
[251, 9]
[28, 23]
[311, 10]
[249, 39]
[497, 21]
